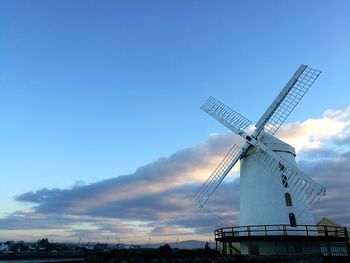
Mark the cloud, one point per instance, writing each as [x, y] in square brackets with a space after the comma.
[313, 133]
[154, 195]
[157, 199]
[333, 173]
[163, 180]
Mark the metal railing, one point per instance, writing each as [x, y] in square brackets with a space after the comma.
[282, 230]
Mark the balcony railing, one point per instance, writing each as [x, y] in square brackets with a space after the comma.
[312, 231]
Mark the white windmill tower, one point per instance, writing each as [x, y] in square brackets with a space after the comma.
[274, 194]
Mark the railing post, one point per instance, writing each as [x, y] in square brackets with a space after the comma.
[224, 247]
[347, 240]
[346, 233]
[307, 231]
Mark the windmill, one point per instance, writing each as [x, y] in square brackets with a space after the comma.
[272, 189]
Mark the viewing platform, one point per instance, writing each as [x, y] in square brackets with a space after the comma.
[304, 232]
[283, 239]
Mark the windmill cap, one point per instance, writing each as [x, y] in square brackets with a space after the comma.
[273, 143]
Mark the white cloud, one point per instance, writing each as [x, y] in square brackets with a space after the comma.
[313, 133]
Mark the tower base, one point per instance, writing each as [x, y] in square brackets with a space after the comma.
[283, 240]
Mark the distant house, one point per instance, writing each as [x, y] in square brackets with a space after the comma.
[327, 222]
[327, 227]
[4, 248]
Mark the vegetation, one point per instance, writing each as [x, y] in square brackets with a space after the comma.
[165, 249]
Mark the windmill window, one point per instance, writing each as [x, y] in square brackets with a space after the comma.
[281, 166]
[288, 199]
[292, 220]
[285, 180]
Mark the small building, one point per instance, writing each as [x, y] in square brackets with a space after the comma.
[4, 248]
[336, 247]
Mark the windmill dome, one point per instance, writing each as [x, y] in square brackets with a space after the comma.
[274, 144]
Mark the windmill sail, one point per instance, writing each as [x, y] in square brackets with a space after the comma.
[304, 188]
[227, 116]
[287, 100]
[210, 185]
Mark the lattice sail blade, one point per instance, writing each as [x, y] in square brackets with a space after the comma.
[228, 117]
[214, 180]
[287, 100]
[304, 188]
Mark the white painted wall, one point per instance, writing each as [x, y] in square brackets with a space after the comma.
[283, 247]
[262, 200]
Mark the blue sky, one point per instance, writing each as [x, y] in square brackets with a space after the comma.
[91, 90]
